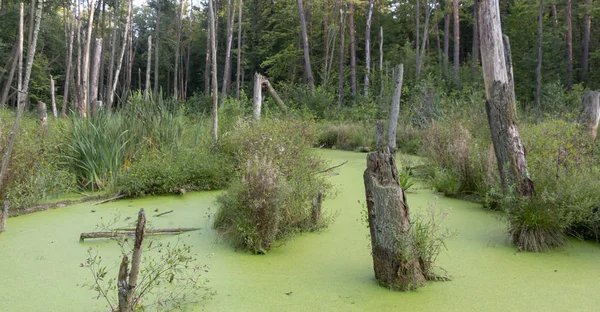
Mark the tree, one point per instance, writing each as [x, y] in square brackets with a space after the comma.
[83, 109]
[475, 50]
[239, 51]
[587, 24]
[122, 54]
[352, 49]
[307, 65]
[177, 51]
[342, 60]
[148, 66]
[538, 72]
[456, 39]
[156, 48]
[368, 46]
[421, 50]
[569, 39]
[68, 70]
[227, 67]
[213, 53]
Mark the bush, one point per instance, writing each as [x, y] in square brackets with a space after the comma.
[276, 182]
[347, 136]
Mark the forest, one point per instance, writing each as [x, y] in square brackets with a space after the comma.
[231, 155]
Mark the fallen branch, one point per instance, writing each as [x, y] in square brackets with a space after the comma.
[328, 169]
[117, 196]
[131, 232]
[60, 204]
[164, 213]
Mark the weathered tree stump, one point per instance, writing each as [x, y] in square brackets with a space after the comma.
[259, 82]
[590, 113]
[3, 216]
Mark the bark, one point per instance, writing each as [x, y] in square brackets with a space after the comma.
[395, 111]
[352, 50]
[189, 49]
[456, 34]
[122, 284]
[148, 67]
[587, 23]
[475, 50]
[20, 105]
[207, 64]
[9, 81]
[215, 92]
[177, 51]
[417, 32]
[590, 113]
[9, 62]
[446, 41]
[227, 67]
[538, 72]
[317, 204]
[342, 45]
[257, 96]
[52, 97]
[31, 51]
[111, 67]
[3, 216]
[84, 108]
[569, 39]
[136, 258]
[95, 76]
[120, 60]
[101, 94]
[394, 262]
[43, 112]
[130, 57]
[77, 83]
[156, 48]
[500, 102]
[554, 14]
[239, 51]
[381, 60]
[421, 51]
[368, 47]
[307, 65]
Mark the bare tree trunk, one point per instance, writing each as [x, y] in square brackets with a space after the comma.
[95, 76]
[148, 66]
[122, 286]
[21, 106]
[352, 50]
[3, 216]
[475, 50]
[446, 41]
[590, 113]
[52, 97]
[130, 58]
[569, 39]
[207, 65]
[189, 49]
[78, 80]
[239, 51]
[43, 111]
[177, 46]
[587, 24]
[136, 258]
[417, 33]
[227, 67]
[381, 60]
[257, 96]
[111, 67]
[368, 47]
[9, 81]
[395, 111]
[122, 54]
[215, 92]
[538, 72]
[156, 47]
[554, 15]
[307, 65]
[421, 50]
[456, 40]
[342, 45]
[101, 92]
[68, 69]
[83, 110]
[500, 102]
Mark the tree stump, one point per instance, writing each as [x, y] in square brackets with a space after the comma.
[590, 113]
[3, 216]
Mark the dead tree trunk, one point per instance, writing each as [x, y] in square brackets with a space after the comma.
[215, 88]
[395, 259]
[446, 41]
[569, 39]
[307, 65]
[352, 50]
[3, 216]
[83, 109]
[368, 47]
[43, 111]
[538, 71]
[587, 25]
[500, 102]
[342, 45]
[31, 51]
[456, 34]
[421, 50]
[395, 111]
[120, 61]
[590, 113]
[259, 81]
[53, 98]
[381, 61]
[148, 66]
[177, 50]
[126, 287]
[475, 50]
[95, 76]
[9, 81]
[239, 51]
[113, 47]
[227, 67]
[156, 47]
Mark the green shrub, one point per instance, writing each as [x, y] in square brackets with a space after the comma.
[277, 178]
[346, 136]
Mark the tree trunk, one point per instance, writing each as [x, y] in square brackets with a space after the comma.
[395, 111]
[446, 41]
[83, 109]
[587, 23]
[111, 67]
[3, 216]
[177, 48]
[122, 287]
[590, 113]
[352, 50]
[101, 94]
[20, 105]
[395, 260]
[136, 258]
[9, 81]
[381, 60]
[120, 60]
[148, 67]
[52, 97]
[342, 45]
[188, 58]
[417, 33]
[207, 64]
[475, 50]
[68, 69]
[95, 76]
[78, 81]
[368, 47]
[456, 40]
[215, 91]
[43, 112]
[421, 50]
[156, 55]
[500, 102]
[239, 51]
[307, 65]
[227, 67]
[257, 96]
[569, 39]
[538, 72]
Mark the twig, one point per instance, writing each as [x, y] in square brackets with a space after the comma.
[164, 213]
[117, 196]
[328, 169]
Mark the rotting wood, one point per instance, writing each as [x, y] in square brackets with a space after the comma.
[43, 111]
[317, 204]
[115, 197]
[131, 232]
[590, 113]
[136, 258]
[3, 216]
[259, 82]
[331, 168]
[163, 213]
[122, 284]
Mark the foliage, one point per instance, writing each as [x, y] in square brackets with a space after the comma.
[277, 178]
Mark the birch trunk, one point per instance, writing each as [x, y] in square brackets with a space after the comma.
[177, 52]
[83, 109]
[352, 51]
[538, 71]
[148, 66]
[307, 65]
[95, 76]
[239, 51]
[215, 92]
[500, 102]
[257, 96]
[456, 34]
[68, 68]
[569, 39]
[227, 67]
[342, 45]
[52, 97]
[368, 47]
[122, 54]
[156, 55]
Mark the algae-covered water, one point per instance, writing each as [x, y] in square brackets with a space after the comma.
[40, 258]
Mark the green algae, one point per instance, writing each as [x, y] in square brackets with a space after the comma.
[331, 270]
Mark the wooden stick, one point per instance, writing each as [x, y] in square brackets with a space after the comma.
[117, 196]
[131, 232]
[328, 169]
[164, 213]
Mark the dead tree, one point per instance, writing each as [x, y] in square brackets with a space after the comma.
[43, 112]
[3, 216]
[177, 50]
[395, 259]
[156, 54]
[83, 109]
[569, 41]
[590, 113]
[421, 50]
[538, 71]
[148, 65]
[31, 52]
[52, 97]
[126, 287]
[239, 51]
[368, 47]
[395, 111]
[342, 45]
[352, 49]
[214, 87]
[500, 101]
[456, 34]
[120, 61]
[259, 82]
[307, 65]
[95, 76]
[227, 67]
